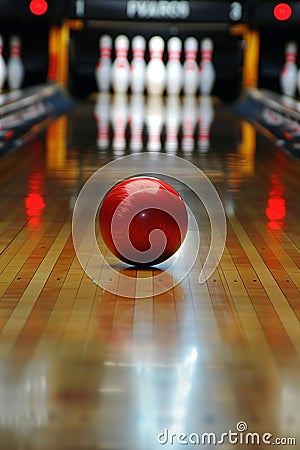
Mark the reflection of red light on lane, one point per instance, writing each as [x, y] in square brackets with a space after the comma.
[275, 225]
[275, 212]
[34, 202]
[276, 209]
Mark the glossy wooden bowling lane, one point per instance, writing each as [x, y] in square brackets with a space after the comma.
[84, 368]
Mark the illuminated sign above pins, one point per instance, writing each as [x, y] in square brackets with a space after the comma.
[150, 9]
[216, 11]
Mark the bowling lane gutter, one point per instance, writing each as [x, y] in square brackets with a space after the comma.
[275, 115]
[24, 112]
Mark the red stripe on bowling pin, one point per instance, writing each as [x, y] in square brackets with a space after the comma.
[105, 53]
[174, 55]
[156, 54]
[206, 55]
[138, 53]
[15, 51]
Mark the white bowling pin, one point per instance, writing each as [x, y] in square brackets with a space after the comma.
[173, 119]
[156, 70]
[138, 65]
[103, 69]
[189, 120]
[190, 67]
[3, 68]
[120, 71]
[137, 113]
[154, 121]
[288, 74]
[298, 82]
[174, 67]
[205, 119]
[119, 117]
[207, 70]
[15, 66]
[102, 114]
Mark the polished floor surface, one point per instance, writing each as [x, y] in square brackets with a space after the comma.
[87, 368]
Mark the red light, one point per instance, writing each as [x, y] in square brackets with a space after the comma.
[38, 7]
[282, 11]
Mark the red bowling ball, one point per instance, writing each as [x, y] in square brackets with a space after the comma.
[143, 221]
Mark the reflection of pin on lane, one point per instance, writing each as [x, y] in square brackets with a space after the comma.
[205, 119]
[189, 119]
[173, 119]
[154, 121]
[119, 115]
[137, 112]
[102, 107]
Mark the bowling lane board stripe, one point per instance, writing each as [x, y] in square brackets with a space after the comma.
[144, 283]
[64, 301]
[208, 328]
[123, 318]
[26, 301]
[43, 323]
[18, 252]
[288, 243]
[164, 312]
[128, 284]
[276, 296]
[21, 245]
[283, 242]
[84, 299]
[9, 229]
[236, 326]
[281, 264]
[248, 320]
[41, 316]
[295, 239]
[270, 321]
[143, 322]
[53, 283]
